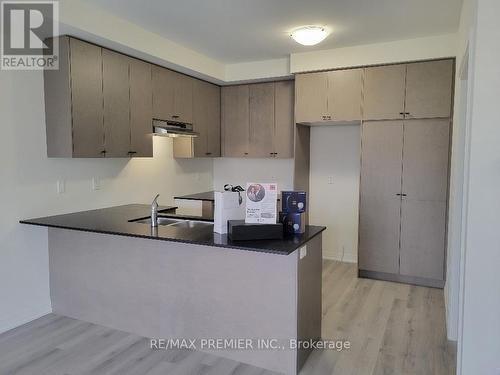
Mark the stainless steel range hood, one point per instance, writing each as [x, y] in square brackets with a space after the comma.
[168, 128]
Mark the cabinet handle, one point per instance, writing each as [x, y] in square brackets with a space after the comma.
[132, 152]
[175, 116]
[103, 152]
[401, 195]
[246, 153]
[208, 153]
[402, 113]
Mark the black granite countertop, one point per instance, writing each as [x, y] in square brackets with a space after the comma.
[117, 221]
[205, 196]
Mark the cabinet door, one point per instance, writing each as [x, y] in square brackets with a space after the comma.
[206, 117]
[213, 121]
[423, 211]
[163, 93]
[261, 120]
[380, 204]
[283, 119]
[141, 109]
[384, 92]
[429, 89]
[311, 93]
[235, 120]
[115, 87]
[183, 98]
[87, 100]
[344, 94]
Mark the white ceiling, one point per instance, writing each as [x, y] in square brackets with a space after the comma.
[233, 31]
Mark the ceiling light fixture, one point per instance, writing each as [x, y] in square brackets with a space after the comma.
[309, 35]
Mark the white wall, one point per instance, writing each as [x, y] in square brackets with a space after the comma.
[239, 171]
[457, 170]
[334, 184]
[479, 343]
[28, 189]
[377, 53]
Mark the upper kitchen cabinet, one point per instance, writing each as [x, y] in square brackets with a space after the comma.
[206, 122]
[206, 119]
[418, 90]
[74, 102]
[328, 97]
[115, 88]
[283, 119]
[257, 120]
[429, 88]
[344, 94]
[384, 92]
[141, 109]
[235, 120]
[172, 95]
[311, 97]
[98, 104]
[261, 111]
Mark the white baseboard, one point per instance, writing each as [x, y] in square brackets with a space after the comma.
[13, 321]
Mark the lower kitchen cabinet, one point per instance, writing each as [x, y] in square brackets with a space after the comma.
[403, 200]
[257, 120]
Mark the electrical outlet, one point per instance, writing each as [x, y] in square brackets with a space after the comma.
[96, 183]
[303, 252]
[330, 180]
[61, 187]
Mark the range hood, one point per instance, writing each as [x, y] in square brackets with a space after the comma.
[168, 128]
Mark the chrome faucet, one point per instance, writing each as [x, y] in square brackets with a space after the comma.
[154, 212]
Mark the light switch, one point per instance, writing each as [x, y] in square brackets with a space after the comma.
[61, 186]
[330, 180]
[96, 183]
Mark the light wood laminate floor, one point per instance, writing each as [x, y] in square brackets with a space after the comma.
[393, 329]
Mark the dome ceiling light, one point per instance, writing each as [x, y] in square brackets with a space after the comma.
[309, 35]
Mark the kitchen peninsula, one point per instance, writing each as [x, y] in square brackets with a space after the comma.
[182, 280]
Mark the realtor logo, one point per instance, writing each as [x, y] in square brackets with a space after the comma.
[27, 33]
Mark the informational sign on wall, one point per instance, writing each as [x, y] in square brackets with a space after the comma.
[261, 203]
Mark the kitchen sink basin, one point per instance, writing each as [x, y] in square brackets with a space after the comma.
[161, 221]
[178, 223]
[191, 224]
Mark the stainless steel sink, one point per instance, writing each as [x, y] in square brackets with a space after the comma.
[191, 224]
[178, 223]
[161, 221]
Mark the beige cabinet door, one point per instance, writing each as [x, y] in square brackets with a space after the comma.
[141, 109]
[87, 99]
[261, 112]
[163, 93]
[283, 119]
[311, 97]
[115, 87]
[380, 202]
[384, 92]
[235, 121]
[425, 184]
[183, 98]
[429, 89]
[213, 121]
[206, 119]
[344, 94]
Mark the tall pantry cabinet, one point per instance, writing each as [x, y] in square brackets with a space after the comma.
[404, 172]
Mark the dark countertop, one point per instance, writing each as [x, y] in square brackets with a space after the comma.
[205, 196]
[115, 220]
